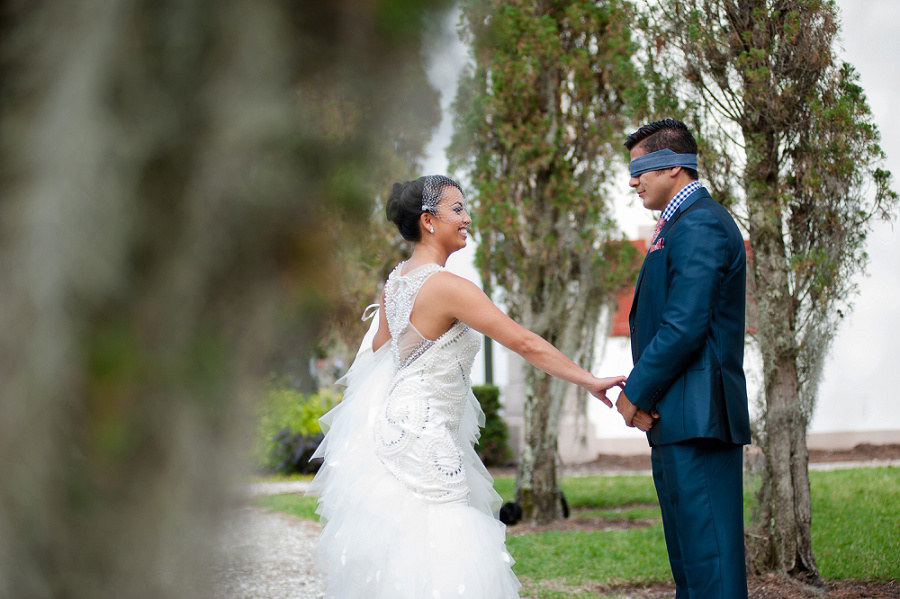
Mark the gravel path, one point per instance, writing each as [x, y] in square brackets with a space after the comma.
[267, 555]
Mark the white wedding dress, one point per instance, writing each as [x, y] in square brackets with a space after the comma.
[409, 510]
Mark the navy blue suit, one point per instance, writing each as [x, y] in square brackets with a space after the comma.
[687, 342]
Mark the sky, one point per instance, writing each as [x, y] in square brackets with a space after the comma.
[858, 387]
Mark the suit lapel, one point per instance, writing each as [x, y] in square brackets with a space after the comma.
[699, 193]
[637, 290]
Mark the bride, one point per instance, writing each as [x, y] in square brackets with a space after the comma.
[408, 508]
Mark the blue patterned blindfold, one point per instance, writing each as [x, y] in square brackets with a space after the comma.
[661, 159]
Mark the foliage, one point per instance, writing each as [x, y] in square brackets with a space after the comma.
[493, 445]
[288, 430]
[539, 119]
[293, 452]
[788, 141]
[338, 106]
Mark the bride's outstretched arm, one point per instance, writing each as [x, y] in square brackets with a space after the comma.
[469, 304]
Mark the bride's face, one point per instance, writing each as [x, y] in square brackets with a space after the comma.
[452, 226]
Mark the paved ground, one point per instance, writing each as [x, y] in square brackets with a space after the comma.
[278, 488]
[267, 555]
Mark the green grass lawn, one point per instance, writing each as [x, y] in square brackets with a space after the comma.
[558, 565]
[856, 523]
[293, 504]
[595, 491]
[856, 531]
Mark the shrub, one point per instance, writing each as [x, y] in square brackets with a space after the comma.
[493, 446]
[288, 430]
[292, 453]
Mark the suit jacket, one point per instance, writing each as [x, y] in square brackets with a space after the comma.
[687, 328]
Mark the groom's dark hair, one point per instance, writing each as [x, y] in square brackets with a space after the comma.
[667, 133]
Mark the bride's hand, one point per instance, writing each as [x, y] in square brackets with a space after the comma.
[599, 386]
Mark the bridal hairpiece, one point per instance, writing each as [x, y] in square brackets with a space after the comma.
[434, 186]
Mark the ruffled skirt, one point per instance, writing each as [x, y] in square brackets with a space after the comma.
[382, 541]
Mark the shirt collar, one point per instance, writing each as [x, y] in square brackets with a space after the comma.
[679, 198]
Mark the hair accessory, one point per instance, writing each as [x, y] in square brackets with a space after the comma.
[661, 159]
[431, 193]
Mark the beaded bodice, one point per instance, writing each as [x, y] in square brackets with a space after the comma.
[417, 434]
[400, 296]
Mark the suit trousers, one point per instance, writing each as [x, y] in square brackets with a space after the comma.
[700, 487]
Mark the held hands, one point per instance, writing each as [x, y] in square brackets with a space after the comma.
[599, 386]
[635, 417]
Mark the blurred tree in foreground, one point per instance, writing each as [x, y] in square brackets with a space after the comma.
[539, 122]
[793, 147]
[166, 181]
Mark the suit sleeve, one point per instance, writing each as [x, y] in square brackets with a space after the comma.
[697, 261]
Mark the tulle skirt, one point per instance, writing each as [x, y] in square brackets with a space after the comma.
[382, 541]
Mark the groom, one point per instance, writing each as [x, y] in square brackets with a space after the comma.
[687, 386]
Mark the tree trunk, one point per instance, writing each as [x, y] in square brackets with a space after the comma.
[784, 496]
[782, 541]
[569, 322]
[536, 488]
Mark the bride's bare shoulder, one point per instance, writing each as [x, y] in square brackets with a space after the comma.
[448, 287]
[448, 281]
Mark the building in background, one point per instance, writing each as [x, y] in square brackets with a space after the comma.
[599, 430]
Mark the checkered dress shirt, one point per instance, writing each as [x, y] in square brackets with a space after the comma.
[680, 197]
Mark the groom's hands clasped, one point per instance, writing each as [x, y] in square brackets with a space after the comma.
[634, 417]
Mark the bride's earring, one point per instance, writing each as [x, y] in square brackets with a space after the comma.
[431, 229]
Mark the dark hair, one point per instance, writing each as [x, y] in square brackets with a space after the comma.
[667, 133]
[404, 205]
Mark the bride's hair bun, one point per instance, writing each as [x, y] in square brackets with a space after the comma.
[404, 206]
